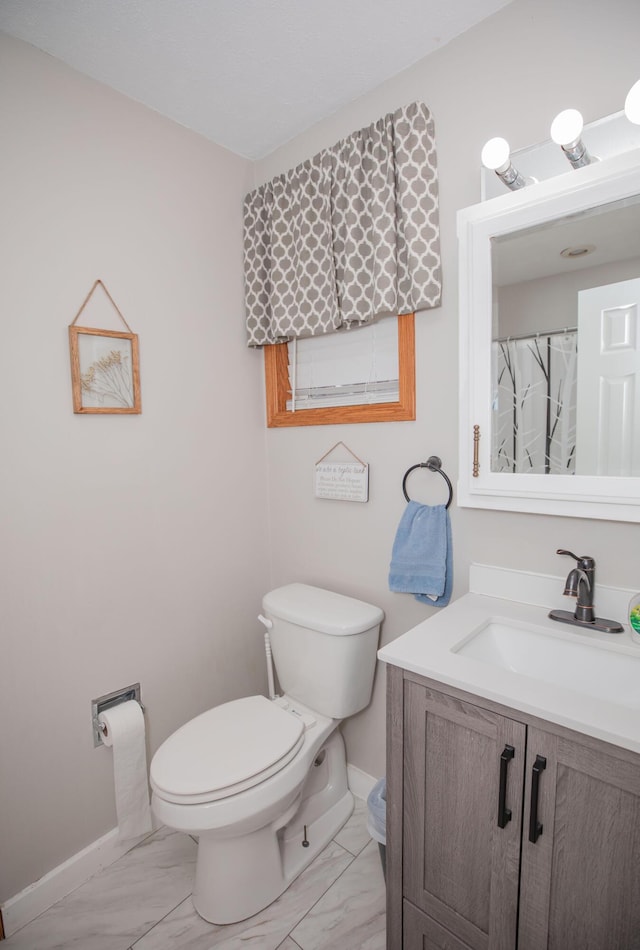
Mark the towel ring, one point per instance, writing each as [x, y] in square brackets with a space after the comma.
[434, 464]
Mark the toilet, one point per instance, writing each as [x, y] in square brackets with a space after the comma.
[262, 782]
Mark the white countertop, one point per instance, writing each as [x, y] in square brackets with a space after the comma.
[429, 649]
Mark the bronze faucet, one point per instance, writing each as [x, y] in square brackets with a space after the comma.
[580, 583]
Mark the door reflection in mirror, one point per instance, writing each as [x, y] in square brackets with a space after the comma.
[609, 380]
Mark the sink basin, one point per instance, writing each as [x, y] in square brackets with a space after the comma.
[572, 662]
[510, 652]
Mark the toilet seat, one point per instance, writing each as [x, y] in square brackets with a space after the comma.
[226, 750]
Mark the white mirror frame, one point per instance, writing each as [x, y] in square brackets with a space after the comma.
[581, 496]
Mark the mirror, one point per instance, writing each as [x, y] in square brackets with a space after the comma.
[550, 345]
[565, 354]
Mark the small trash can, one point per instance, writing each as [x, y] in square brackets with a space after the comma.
[377, 819]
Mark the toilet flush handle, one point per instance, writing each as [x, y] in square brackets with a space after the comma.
[267, 623]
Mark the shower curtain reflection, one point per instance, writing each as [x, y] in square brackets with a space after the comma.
[534, 404]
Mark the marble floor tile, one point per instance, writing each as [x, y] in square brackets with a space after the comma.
[354, 835]
[183, 927]
[351, 915]
[143, 902]
[118, 905]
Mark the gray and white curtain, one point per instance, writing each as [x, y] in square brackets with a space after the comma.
[534, 408]
[347, 235]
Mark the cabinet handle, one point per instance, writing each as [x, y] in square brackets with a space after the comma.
[504, 813]
[476, 450]
[535, 827]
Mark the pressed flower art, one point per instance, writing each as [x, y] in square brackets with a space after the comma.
[105, 373]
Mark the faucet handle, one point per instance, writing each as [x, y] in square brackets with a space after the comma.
[586, 562]
[570, 553]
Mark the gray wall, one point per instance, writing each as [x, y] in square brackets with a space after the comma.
[508, 76]
[133, 548]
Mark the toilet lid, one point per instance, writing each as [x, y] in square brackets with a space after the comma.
[225, 747]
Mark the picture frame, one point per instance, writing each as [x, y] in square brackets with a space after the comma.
[105, 371]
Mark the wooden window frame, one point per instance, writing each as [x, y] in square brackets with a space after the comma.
[276, 371]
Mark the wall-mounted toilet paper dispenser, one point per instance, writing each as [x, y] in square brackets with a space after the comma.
[107, 702]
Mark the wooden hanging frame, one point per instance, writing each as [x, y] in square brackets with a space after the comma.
[105, 366]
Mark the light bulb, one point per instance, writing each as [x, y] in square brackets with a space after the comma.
[632, 104]
[567, 126]
[495, 154]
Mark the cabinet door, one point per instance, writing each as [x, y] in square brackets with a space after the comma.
[423, 933]
[460, 867]
[580, 849]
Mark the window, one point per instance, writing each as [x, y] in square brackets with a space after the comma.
[360, 407]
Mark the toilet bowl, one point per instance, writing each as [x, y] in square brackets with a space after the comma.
[262, 782]
[249, 850]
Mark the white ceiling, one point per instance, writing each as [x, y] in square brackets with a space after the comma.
[247, 74]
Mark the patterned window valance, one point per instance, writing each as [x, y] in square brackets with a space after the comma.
[347, 235]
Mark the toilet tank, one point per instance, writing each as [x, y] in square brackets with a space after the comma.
[324, 647]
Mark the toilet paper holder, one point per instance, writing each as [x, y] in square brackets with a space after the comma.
[107, 702]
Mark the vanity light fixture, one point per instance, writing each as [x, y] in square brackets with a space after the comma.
[608, 137]
[566, 131]
[496, 157]
[632, 104]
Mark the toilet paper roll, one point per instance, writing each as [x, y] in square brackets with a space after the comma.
[124, 732]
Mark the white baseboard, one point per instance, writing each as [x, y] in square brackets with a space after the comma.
[359, 782]
[48, 890]
[56, 884]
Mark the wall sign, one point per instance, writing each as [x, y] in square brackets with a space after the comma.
[342, 481]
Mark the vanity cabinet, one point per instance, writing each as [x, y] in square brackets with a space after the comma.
[504, 831]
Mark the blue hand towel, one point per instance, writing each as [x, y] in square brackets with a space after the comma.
[421, 559]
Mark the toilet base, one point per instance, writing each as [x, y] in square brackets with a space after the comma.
[239, 876]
